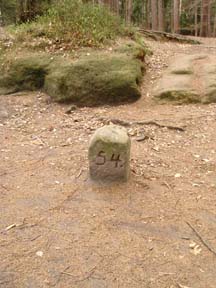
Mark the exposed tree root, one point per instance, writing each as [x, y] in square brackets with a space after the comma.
[151, 122]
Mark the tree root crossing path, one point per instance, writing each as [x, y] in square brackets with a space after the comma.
[58, 229]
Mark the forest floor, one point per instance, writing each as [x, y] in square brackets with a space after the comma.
[58, 229]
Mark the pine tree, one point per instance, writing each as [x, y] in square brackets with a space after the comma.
[154, 14]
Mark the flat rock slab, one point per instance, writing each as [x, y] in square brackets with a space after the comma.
[189, 79]
[109, 154]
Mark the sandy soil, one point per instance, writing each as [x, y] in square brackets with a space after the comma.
[58, 229]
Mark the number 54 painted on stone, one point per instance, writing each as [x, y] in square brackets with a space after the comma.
[102, 159]
[109, 154]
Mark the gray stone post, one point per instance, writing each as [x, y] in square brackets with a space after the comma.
[109, 154]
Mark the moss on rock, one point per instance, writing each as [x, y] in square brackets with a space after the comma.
[102, 78]
[179, 96]
[96, 81]
[25, 73]
[136, 49]
[210, 96]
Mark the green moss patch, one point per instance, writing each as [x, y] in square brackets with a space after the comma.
[104, 80]
[210, 97]
[179, 96]
[98, 79]
[25, 73]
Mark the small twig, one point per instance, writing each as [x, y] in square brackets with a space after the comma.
[66, 273]
[79, 174]
[35, 238]
[10, 227]
[166, 273]
[87, 276]
[201, 239]
[167, 185]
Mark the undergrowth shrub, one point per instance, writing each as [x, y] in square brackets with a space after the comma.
[74, 22]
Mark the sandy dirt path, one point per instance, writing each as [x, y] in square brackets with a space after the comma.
[57, 229]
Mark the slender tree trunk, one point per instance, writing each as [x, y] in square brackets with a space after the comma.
[204, 18]
[196, 19]
[117, 7]
[107, 3]
[128, 11]
[154, 14]
[27, 10]
[143, 14]
[114, 6]
[20, 11]
[31, 9]
[214, 30]
[147, 12]
[176, 16]
[209, 20]
[160, 15]
[180, 7]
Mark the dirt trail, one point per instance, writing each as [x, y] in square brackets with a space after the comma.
[57, 229]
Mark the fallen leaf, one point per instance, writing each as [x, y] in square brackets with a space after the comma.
[177, 175]
[39, 253]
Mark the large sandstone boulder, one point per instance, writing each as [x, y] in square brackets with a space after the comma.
[98, 79]
[189, 79]
[175, 84]
[24, 73]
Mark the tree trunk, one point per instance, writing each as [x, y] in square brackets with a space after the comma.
[180, 7]
[31, 9]
[20, 11]
[196, 19]
[154, 14]
[204, 18]
[114, 6]
[128, 11]
[147, 12]
[214, 30]
[209, 20]
[27, 10]
[160, 15]
[176, 16]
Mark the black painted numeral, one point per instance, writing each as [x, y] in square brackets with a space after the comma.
[116, 159]
[101, 158]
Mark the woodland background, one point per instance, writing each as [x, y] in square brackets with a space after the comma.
[190, 17]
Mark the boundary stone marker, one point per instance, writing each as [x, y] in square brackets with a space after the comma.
[109, 154]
